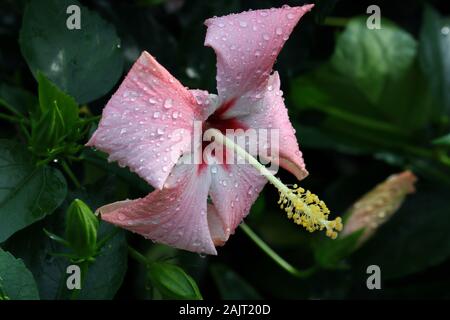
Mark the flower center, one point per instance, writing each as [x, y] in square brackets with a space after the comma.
[304, 207]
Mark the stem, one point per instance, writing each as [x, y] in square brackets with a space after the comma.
[136, 255]
[70, 173]
[10, 118]
[84, 267]
[335, 22]
[275, 256]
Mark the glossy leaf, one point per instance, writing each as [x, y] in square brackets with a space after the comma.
[16, 281]
[84, 62]
[27, 193]
[435, 55]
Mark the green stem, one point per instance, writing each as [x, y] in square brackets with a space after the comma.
[275, 256]
[10, 118]
[136, 255]
[336, 22]
[70, 173]
[84, 268]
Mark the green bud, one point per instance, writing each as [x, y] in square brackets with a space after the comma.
[172, 282]
[81, 229]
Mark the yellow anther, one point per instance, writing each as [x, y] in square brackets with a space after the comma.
[307, 210]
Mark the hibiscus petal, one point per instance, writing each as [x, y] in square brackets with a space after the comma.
[176, 215]
[270, 113]
[247, 44]
[234, 188]
[147, 124]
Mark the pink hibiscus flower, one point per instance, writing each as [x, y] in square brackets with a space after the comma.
[148, 125]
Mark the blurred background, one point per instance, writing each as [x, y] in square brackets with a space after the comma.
[365, 104]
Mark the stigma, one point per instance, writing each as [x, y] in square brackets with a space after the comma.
[307, 210]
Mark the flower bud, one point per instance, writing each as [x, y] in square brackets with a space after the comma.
[81, 229]
[378, 205]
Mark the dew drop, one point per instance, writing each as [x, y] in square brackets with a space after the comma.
[156, 114]
[168, 103]
[266, 37]
[290, 16]
[121, 217]
[243, 24]
[152, 101]
[214, 170]
[279, 31]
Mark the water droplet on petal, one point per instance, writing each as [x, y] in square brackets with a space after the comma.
[266, 37]
[243, 24]
[152, 101]
[279, 31]
[214, 170]
[168, 103]
[156, 114]
[290, 16]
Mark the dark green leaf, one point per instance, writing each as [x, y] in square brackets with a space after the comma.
[172, 282]
[371, 94]
[329, 254]
[16, 281]
[84, 62]
[231, 285]
[28, 193]
[106, 274]
[414, 239]
[434, 49]
[17, 100]
[370, 57]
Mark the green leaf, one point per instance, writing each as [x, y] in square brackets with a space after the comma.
[172, 282]
[28, 193]
[371, 94]
[56, 121]
[52, 98]
[329, 254]
[370, 57]
[17, 100]
[16, 281]
[231, 285]
[84, 62]
[434, 54]
[414, 239]
[444, 140]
